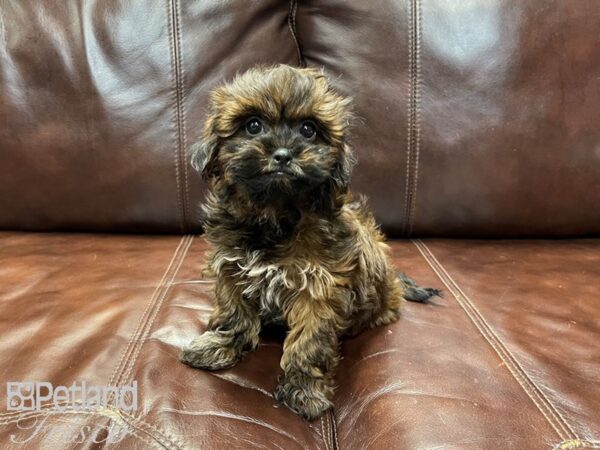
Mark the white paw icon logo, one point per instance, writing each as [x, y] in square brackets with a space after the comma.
[20, 396]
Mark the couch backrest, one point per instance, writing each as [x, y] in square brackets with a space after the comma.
[479, 118]
[101, 101]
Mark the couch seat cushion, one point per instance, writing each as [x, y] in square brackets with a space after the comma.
[507, 359]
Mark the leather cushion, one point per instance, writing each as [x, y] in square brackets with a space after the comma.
[477, 118]
[505, 360]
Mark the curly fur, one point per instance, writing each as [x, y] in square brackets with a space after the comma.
[295, 248]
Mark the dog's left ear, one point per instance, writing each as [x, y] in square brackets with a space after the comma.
[204, 152]
[342, 170]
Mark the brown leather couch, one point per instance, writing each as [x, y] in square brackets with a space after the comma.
[479, 120]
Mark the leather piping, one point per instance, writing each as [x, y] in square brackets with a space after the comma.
[292, 26]
[126, 362]
[329, 430]
[128, 351]
[413, 134]
[573, 444]
[334, 442]
[542, 402]
[181, 158]
[153, 310]
[324, 433]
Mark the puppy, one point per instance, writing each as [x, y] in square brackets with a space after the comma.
[290, 244]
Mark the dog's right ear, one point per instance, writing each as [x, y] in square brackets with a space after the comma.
[204, 152]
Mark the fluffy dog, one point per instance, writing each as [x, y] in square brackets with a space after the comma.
[290, 244]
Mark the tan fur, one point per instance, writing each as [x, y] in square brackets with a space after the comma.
[298, 249]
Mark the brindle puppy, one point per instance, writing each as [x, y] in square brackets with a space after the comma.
[290, 243]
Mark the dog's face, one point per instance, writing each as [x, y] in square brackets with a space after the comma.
[277, 134]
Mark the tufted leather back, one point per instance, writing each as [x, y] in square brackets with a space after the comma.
[479, 118]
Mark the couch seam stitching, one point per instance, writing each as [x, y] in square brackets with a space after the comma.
[413, 116]
[116, 374]
[3, 30]
[167, 437]
[417, 116]
[409, 118]
[148, 326]
[143, 439]
[329, 440]
[176, 119]
[324, 432]
[292, 26]
[483, 327]
[183, 143]
[43, 406]
[511, 363]
[408, 121]
[154, 308]
[334, 439]
[572, 444]
[148, 321]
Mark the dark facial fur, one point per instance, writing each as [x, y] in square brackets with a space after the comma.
[290, 244]
[244, 166]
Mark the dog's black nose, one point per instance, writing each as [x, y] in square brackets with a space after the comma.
[282, 156]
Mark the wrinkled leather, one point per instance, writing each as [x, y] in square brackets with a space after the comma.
[507, 359]
[476, 118]
[101, 101]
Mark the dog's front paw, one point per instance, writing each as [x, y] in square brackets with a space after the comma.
[305, 396]
[210, 351]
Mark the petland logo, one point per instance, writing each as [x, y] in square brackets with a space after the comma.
[32, 395]
[37, 402]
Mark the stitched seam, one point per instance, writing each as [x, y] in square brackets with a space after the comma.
[150, 323]
[417, 117]
[151, 429]
[182, 127]
[3, 32]
[144, 317]
[506, 350]
[546, 407]
[42, 407]
[486, 331]
[335, 434]
[138, 341]
[147, 441]
[409, 119]
[143, 337]
[48, 409]
[324, 433]
[294, 31]
[144, 325]
[174, 54]
[573, 444]
[134, 423]
[334, 439]
[413, 127]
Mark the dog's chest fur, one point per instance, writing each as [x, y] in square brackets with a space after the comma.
[274, 281]
[305, 265]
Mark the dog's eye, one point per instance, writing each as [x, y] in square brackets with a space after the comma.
[308, 129]
[254, 126]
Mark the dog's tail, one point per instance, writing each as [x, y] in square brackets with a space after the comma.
[414, 292]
